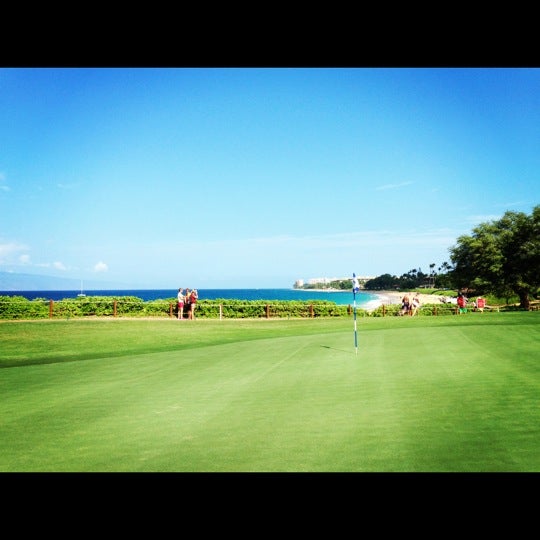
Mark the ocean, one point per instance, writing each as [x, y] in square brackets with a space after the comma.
[363, 299]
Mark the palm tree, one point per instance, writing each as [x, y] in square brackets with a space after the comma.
[432, 275]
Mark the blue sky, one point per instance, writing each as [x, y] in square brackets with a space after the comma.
[257, 177]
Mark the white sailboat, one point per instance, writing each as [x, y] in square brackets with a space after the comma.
[81, 293]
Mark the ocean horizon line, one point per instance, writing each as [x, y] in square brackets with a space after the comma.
[363, 299]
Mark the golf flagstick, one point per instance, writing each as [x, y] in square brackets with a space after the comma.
[356, 288]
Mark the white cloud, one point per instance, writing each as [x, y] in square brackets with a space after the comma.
[3, 187]
[476, 220]
[8, 256]
[349, 240]
[10, 248]
[511, 204]
[101, 267]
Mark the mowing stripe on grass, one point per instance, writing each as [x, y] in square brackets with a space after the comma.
[420, 396]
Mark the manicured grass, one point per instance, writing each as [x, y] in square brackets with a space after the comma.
[458, 393]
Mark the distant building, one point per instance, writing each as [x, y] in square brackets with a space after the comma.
[299, 283]
[323, 280]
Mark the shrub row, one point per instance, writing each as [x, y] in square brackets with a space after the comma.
[18, 307]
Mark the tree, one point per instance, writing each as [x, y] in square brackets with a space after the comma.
[444, 277]
[384, 282]
[432, 275]
[501, 257]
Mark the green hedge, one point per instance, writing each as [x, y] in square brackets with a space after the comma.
[18, 307]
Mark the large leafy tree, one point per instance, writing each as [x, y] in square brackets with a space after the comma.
[383, 282]
[501, 257]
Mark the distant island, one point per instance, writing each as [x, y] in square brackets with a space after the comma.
[12, 281]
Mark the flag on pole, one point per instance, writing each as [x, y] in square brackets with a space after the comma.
[356, 285]
[355, 289]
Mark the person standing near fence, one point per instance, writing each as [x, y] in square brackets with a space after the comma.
[193, 297]
[187, 304]
[462, 303]
[480, 304]
[181, 299]
[405, 305]
[415, 304]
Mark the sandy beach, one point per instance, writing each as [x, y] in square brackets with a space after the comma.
[393, 297]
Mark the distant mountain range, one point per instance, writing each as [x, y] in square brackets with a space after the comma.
[10, 281]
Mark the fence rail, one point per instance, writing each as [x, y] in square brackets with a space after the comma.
[20, 308]
[132, 307]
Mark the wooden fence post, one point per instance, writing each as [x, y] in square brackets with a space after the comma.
[267, 311]
[170, 311]
[51, 304]
[311, 311]
[114, 308]
[220, 311]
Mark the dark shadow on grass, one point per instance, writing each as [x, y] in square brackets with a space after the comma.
[340, 350]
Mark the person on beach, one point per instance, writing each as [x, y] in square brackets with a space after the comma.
[181, 299]
[193, 297]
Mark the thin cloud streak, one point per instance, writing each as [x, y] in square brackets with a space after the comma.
[436, 237]
[393, 186]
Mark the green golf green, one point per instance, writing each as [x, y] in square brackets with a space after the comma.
[454, 393]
